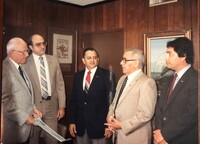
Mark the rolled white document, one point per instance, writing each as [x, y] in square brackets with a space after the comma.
[45, 127]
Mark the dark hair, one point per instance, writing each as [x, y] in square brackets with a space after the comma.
[89, 49]
[30, 42]
[183, 47]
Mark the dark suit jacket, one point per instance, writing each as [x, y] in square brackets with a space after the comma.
[88, 111]
[178, 120]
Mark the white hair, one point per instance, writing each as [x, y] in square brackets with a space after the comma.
[13, 43]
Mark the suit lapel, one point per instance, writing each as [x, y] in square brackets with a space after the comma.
[16, 74]
[129, 87]
[33, 71]
[49, 62]
[178, 86]
[95, 79]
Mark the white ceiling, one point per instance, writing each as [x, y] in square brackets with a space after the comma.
[82, 2]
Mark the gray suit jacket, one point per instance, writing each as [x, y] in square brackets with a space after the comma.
[178, 119]
[135, 110]
[17, 101]
[57, 86]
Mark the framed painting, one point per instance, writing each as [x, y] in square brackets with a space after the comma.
[160, 2]
[155, 52]
[62, 43]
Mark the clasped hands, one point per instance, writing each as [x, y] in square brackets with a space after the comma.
[113, 125]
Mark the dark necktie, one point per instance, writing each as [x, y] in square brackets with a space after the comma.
[172, 86]
[120, 92]
[87, 82]
[21, 73]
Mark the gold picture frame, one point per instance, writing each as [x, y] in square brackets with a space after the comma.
[155, 49]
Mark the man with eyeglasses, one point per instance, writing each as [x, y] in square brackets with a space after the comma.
[48, 84]
[18, 105]
[130, 114]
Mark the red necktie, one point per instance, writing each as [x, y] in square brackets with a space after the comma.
[172, 85]
[87, 82]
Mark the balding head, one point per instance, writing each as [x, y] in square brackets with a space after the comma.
[17, 50]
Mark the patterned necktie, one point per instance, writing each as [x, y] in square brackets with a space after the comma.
[172, 86]
[44, 86]
[120, 92]
[87, 82]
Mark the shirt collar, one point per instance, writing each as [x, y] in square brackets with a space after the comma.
[181, 72]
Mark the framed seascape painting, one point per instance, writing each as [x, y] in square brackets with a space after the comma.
[62, 43]
[155, 52]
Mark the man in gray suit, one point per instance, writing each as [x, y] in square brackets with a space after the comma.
[176, 117]
[130, 114]
[48, 85]
[19, 110]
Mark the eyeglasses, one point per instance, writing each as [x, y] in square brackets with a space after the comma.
[124, 60]
[23, 52]
[40, 44]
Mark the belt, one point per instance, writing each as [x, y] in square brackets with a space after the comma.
[48, 98]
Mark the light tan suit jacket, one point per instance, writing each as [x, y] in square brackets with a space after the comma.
[135, 110]
[49, 108]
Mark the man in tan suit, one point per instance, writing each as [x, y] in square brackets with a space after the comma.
[50, 100]
[130, 114]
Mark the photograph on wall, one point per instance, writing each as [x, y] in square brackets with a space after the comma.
[62, 43]
[160, 2]
[62, 48]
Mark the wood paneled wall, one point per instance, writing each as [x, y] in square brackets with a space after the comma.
[24, 17]
[137, 18]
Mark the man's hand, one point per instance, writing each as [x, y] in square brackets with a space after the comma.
[37, 113]
[61, 113]
[30, 121]
[107, 133]
[158, 138]
[72, 130]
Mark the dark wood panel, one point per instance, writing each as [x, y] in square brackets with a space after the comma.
[179, 15]
[1, 47]
[113, 15]
[151, 17]
[187, 14]
[170, 17]
[98, 14]
[160, 18]
[109, 45]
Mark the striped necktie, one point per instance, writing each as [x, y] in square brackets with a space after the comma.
[87, 82]
[44, 86]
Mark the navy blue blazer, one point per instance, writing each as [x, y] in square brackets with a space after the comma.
[89, 111]
[178, 119]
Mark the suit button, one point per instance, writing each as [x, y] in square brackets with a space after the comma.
[85, 103]
[164, 118]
